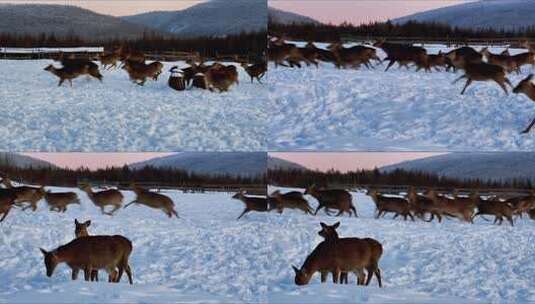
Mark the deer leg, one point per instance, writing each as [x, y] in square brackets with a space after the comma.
[377, 213]
[244, 211]
[510, 219]
[502, 85]
[336, 276]
[529, 127]
[340, 213]
[87, 272]
[128, 271]
[132, 202]
[456, 80]
[94, 275]
[320, 206]
[468, 82]
[323, 277]
[391, 63]
[5, 214]
[354, 211]
[378, 275]
[343, 277]
[115, 208]
[74, 274]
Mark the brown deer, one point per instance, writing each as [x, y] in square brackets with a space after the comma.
[290, 201]
[403, 53]
[329, 233]
[332, 199]
[60, 200]
[385, 204]
[353, 56]
[70, 72]
[92, 253]
[280, 52]
[439, 60]
[421, 205]
[109, 60]
[258, 204]
[25, 194]
[462, 208]
[484, 72]
[80, 230]
[101, 199]
[335, 256]
[139, 72]
[255, 71]
[527, 87]
[496, 208]
[153, 200]
[521, 204]
[221, 77]
[323, 55]
[7, 200]
[129, 54]
[462, 56]
[505, 61]
[523, 59]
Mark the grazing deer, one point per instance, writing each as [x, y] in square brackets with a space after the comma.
[153, 200]
[335, 256]
[80, 230]
[60, 200]
[25, 194]
[396, 205]
[290, 200]
[403, 54]
[462, 56]
[484, 72]
[496, 208]
[7, 200]
[176, 79]
[505, 61]
[139, 72]
[332, 199]
[104, 198]
[329, 233]
[256, 70]
[71, 72]
[527, 87]
[258, 204]
[92, 253]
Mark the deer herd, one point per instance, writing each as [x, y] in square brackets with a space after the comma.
[476, 65]
[214, 77]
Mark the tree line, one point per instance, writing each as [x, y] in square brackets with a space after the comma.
[302, 179]
[330, 32]
[239, 44]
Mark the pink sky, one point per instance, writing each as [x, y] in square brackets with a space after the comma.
[118, 7]
[357, 12]
[347, 161]
[74, 160]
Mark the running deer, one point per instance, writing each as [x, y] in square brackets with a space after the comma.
[335, 256]
[139, 72]
[109, 60]
[385, 204]
[153, 200]
[332, 199]
[524, 59]
[459, 207]
[104, 198]
[496, 208]
[353, 56]
[255, 71]
[80, 230]
[421, 205]
[258, 204]
[484, 72]
[280, 51]
[403, 54]
[505, 61]
[71, 72]
[60, 200]
[7, 200]
[526, 87]
[176, 79]
[329, 233]
[25, 194]
[290, 200]
[460, 57]
[323, 55]
[90, 253]
[128, 54]
[521, 204]
[439, 60]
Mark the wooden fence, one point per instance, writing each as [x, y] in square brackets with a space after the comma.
[512, 42]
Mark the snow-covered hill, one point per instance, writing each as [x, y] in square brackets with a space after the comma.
[284, 17]
[211, 18]
[496, 14]
[22, 161]
[63, 20]
[279, 163]
[212, 163]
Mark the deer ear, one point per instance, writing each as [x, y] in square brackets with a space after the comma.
[296, 270]
[323, 225]
[336, 225]
[88, 223]
[43, 251]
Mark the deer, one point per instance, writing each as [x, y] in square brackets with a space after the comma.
[153, 200]
[403, 53]
[72, 62]
[25, 194]
[128, 54]
[323, 55]
[139, 72]
[280, 51]
[176, 79]
[109, 60]
[523, 59]
[462, 56]
[484, 72]
[521, 204]
[496, 208]
[255, 71]
[101, 199]
[420, 205]
[353, 56]
[290, 200]
[439, 60]
[526, 87]
[505, 61]
[60, 200]
[332, 199]
[396, 205]
[221, 77]
[462, 208]
[258, 204]
[71, 72]
[90, 253]
[7, 201]
[329, 233]
[335, 256]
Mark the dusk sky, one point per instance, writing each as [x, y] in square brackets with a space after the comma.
[347, 161]
[358, 11]
[118, 7]
[76, 160]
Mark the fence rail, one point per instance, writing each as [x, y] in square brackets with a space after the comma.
[512, 42]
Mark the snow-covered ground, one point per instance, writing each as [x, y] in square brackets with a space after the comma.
[209, 257]
[117, 115]
[331, 109]
[50, 50]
